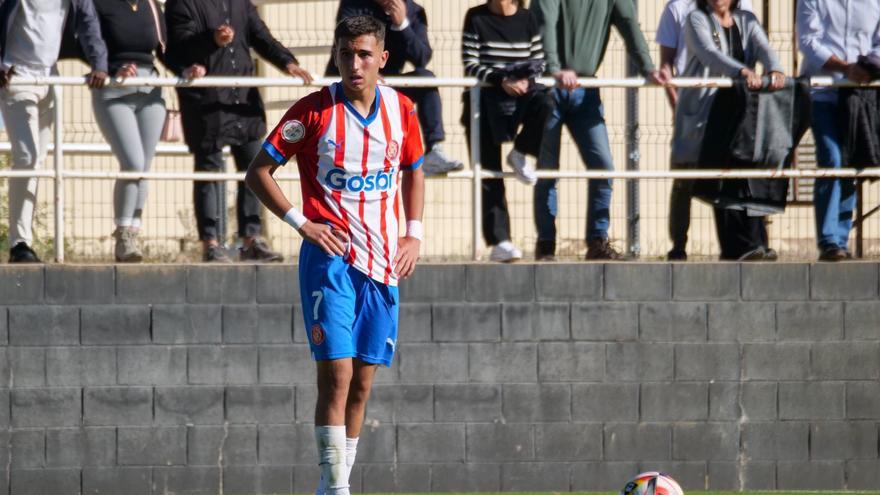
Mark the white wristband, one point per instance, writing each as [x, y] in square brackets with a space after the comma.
[415, 229]
[294, 218]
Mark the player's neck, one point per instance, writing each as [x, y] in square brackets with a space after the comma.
[361, 100]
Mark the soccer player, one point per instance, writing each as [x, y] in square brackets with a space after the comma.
[356, 145]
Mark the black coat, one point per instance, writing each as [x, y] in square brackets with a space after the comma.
[752, 130]
[409, 45]
[214, 117]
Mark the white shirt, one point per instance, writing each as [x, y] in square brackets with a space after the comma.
[670, 31]
[34, 36]
[845, 28]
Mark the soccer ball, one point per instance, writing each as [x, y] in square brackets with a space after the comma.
[652, 483]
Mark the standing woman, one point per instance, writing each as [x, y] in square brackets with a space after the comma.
[130, 117]
[502, 46]
[723, 41]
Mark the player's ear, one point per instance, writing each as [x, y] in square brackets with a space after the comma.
[384, 58]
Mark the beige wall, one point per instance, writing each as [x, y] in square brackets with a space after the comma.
[170, 225]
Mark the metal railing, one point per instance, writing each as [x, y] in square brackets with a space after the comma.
[59, 174]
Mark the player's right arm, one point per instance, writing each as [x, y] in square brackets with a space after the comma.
[297, 128]
[261, 181]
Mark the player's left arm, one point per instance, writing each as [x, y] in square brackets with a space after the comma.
[413, 191]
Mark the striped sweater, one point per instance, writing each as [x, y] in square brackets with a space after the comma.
[491, 42]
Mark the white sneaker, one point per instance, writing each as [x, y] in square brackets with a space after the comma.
[505, 252]
[436, 162]
[524, 170]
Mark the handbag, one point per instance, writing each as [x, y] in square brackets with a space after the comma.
[172, 127]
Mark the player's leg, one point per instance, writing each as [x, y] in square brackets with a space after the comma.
[334, 378]
[375, 337]
[328, 302]
[356, 406]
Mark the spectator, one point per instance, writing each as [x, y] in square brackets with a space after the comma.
[130, 118]
[673, 59]
[832, 36]
[575, 38]
[30, 41]
[723, 41]
[501, 45]
[406, 37]
[214, 37]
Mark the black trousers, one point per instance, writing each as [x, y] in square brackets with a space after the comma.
[428, 107]
[496, 217]
[207, 200]
[739, 233]
[680, 213]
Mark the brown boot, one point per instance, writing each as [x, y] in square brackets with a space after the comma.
[601, 249]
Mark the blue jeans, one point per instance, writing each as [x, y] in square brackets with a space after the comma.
[582, 113]
[834, 199]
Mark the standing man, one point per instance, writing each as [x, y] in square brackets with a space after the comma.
[831, 36]
[575, 38]
[356, 145]
[30, 42]
[406, 28]
[673, 59]
[214, 38]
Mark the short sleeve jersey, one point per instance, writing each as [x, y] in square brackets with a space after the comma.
[670, 31]
[349, 168]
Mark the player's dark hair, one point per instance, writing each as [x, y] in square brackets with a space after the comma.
[360, 25]
[702, 4]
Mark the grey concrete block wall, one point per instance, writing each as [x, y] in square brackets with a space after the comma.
[554, 377]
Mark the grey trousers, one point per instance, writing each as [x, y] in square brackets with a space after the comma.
[131, 121]
[27, 112]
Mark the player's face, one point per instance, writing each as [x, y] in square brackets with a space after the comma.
[359, 60]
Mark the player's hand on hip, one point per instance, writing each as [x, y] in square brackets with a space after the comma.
[332, 241]
[407, 256]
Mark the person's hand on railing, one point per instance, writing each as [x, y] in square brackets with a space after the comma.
[857, 74]
[777, 81]
[515, 87]
[224, 35]
[96, 79]
[659, 77]
[194, 71]
[127, 70]
[566, 79]
[5, 76]
[296, 71]
[753, 80]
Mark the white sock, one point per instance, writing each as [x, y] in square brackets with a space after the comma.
[332, 459]
[351, 450]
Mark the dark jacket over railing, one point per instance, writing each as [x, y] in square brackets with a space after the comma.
[214, 117]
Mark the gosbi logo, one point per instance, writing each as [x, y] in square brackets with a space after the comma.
[317, 334]
[392, 150]
[338, 180]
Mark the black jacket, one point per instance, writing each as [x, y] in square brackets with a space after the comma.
[409, 45]
[81, 27]
[753, 129]
[859, 121]
[214, 117]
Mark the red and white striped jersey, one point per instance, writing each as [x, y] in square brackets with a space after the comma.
[350, 166]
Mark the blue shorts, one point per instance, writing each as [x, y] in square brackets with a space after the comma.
[347, 314]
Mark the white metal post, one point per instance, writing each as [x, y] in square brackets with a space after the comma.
[58, 155]
[477, 167]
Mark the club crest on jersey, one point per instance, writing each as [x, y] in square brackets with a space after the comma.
[293, 131]
[317, 334]
[392, 150]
